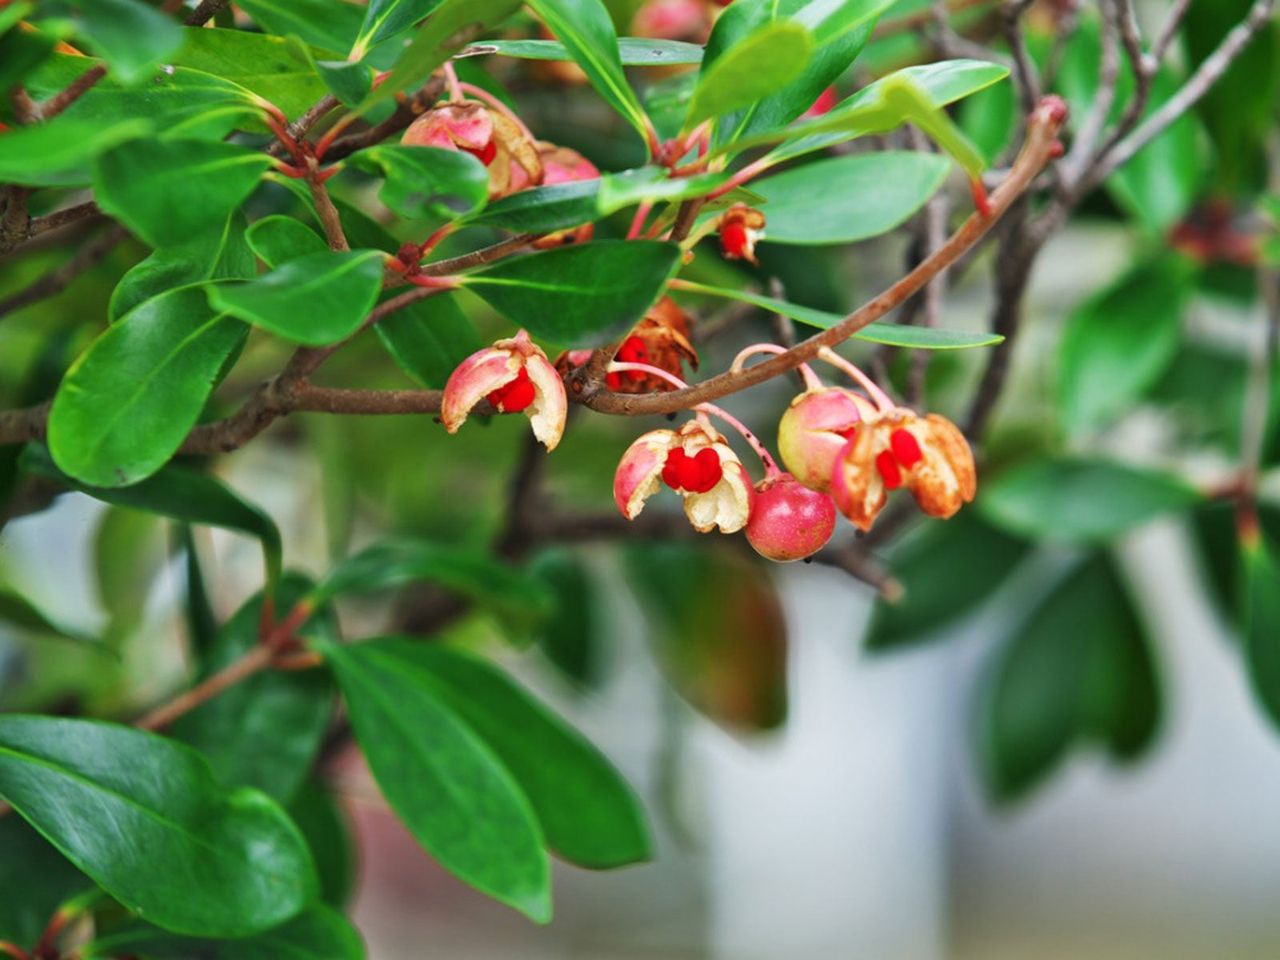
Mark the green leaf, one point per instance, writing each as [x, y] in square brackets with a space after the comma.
[472, 573]
[16, 610]
[769, 58]
[349, 82]
[850, 198]
[1262, 624]
[632, 51]
[588, 814]
[1080, 669]
[384, 19]
[35, 879]
[946, 570]
[1117, 344]
[180, 494]
[718, 630]
[542, 209]
[652, 184]
[893, 334]
[21, 51]
[315, 299]
[176, 100]
[274, 68]
[865, 112]
[585, 29]
[128, 402]
[316, 811]
[451, 24]
[151, 185]
[202, 625]
[128, 34]
[569, 292]
[1081, 500]
[265, 731]
[321, 23]
[448, 786]
[209, 255]
[319, 933]
[277, 239]
[426, 182]
[58, 152]
[144, 817]
[428, 339]
[570, 637]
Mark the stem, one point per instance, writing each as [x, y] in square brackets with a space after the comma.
[637, 222]
[451, 81]
[498, 105]
[12, 949]
[254, 661]
[811, 379]
[622, 365]
[882, 399]
[771, 470]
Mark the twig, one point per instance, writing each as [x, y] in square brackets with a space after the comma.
[1206, 75]
[73, 92]
[1042, 133]
[327, 213]
[255, 660]
[1169, 31]
[206, 11]
[61, 218]
[53, 283]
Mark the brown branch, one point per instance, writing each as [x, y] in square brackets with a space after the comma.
[1042, 133]
[478, 258]
[62, 218]
[53, 283]
[74, 91]
[206, 11]
[254, 661]
[328, 215]
[1188, 95]
[408, 110]
[15, 227]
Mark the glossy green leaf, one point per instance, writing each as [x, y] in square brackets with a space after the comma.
[450, 25]
[571, 637]
[769, 58]
[321, 23]
[718, 630]
[319, 933]
[652, 184]
[176, 100]
[426, 182]
[850, 198]
[201, 622]
[1118, 343]
[128, 34]
[472, 573]
[1262, 624]
[632, 51]
[589, 815]
[265, 731]
[543, 209]
[892, 334]
[569, 292]
[315, 299]
[59, 152]
[128, 402]
[864, 112]
[144, 817]
[428, 339]
[35, 879]
[277, 239]
[946, 570]
[274, 68]
[148, 185]
[209, 255]
[180, 494]
[316, 811]
[448, 786]
[1081, 500]
[585, 29]
[1080, 669]
[384, 19]
[349, 82]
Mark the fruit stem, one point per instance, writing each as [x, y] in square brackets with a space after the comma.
[882, 399]
[771, 471]
[498, 105]
[811, 380]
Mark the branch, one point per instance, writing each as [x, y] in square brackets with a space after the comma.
[206, 11]
[254, 661]
[53, 283]
[1042, 133]
[1206, 75]
[74, 91]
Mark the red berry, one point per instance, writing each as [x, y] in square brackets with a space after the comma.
[514, 396]
[906, 450]
[789, 521]
[734, 242]
[889, 471]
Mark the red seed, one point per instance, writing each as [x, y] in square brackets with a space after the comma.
[514, 396]
[906, 450]
[889, 471]
[672, 469]
[734, 241]
[708, 471]
[484, 154]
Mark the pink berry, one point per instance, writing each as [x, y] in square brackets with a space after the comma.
[790, 521]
